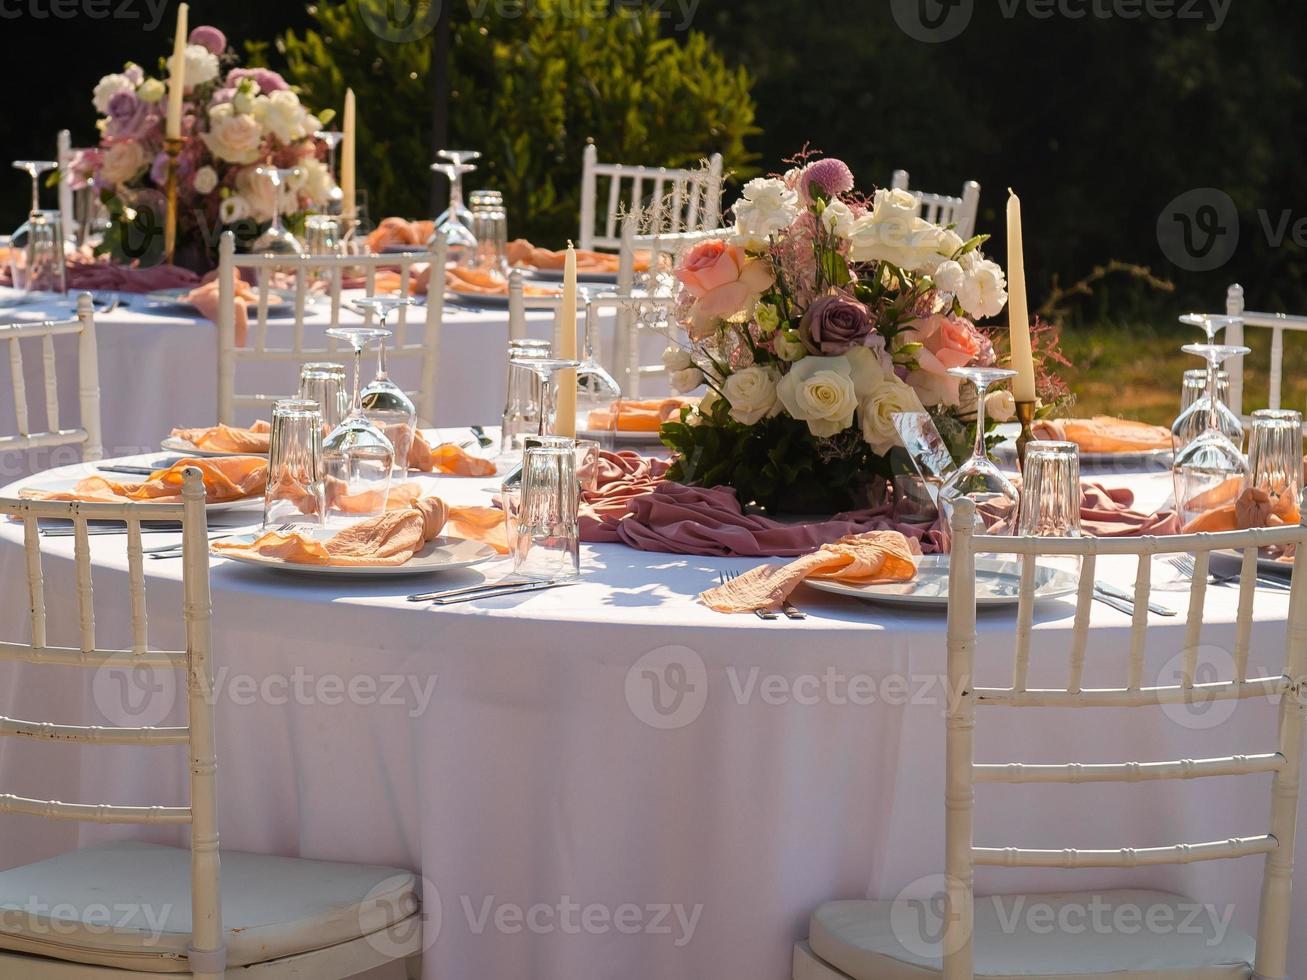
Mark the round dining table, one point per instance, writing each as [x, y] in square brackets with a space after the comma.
[611, 780]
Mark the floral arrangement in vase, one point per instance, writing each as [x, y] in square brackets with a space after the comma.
[233, 119]
[812, 321]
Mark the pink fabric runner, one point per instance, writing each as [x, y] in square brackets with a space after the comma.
[119, 278]
[636, 506]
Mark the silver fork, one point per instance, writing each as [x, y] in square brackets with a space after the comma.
[761, 612]
[1186, 565]
[175, 551]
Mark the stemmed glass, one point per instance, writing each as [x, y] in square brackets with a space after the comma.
[357, 456]
[546, 369]
[277, 239]
[1211, 469]
[336, 199]
[1209, 323]
[34, 169]
[385, 402]
[997, 500]
[454, 224]
[598, 394]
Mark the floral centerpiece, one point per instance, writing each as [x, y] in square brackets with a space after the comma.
[814, 320]
[234, 119]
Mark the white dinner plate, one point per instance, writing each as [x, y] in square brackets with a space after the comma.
[623, 437]
[175, 444]
[998, 583]
[441, 555]
[1230, 562]
[498, 301]
[556, 275]
[281, 302]
[68, 482]
[1008, 450]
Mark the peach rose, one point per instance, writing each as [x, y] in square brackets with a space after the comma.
[724, 282]
[947, 342]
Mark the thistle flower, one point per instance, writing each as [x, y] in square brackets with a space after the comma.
[830, 176]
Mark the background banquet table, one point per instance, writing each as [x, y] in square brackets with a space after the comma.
[158, 369]
[618, 748]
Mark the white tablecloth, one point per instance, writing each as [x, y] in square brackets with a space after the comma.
[159, 370]
[609, 780]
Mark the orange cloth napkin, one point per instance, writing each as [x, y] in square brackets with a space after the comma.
[1104, 434]
[228, 438]
[858, 559]
[1250, 508]
[226, 478]
[446, 458]
[638, 416]
[204, 298]
[522, 252]
[397, 231]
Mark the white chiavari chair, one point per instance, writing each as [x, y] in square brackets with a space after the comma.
[960, 212]
[856, 939]
[88, 384]
[268, 918]
[284, 341]
[687, 199]
[1278, 324]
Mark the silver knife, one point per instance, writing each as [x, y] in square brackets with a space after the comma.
[1124, 596]
[496, 593]
[484, 586]
[1115, 603]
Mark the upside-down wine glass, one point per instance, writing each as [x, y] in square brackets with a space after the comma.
[336, 198]
[454, 224]
[547, 370]
[34, 169]
[1192, 419]
[357, 456]
[996, 498]
[1211, 469]
[277, 239]
[385, 402]
[598, 395]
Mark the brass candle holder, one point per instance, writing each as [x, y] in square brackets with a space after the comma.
[172, 145]
[1026, 416]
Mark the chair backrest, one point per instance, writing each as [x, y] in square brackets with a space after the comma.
[207, 955]
[690, 199]
[291, 347]
[1277, 323]
[64, 154]
[88, 383]
[962, 856]
[960, 212]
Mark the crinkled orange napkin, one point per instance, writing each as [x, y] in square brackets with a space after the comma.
[226, 478]
[1104, 434]
[1250, 508]
[204, 298]
[229, 438]
[638, 416]
[522, 252]
[858, 559]
[397, 231]
[446, 458]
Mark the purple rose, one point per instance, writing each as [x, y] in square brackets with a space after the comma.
[833, 324]
[210, 38]
[129, 117]
[266, 79]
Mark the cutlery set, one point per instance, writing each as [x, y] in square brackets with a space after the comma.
[790, 610]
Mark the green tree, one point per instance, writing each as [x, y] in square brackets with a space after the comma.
[529, 84]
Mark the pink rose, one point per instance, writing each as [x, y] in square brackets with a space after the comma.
[724, 282]
[947, 342]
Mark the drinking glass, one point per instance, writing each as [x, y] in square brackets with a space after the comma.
[522, 406]
[1050, 498]
[322, 235]
[34, 169]
[547, 540]
[37, 265]
[277, 239]
[1195, 386]
[333, 139]
[546, 369]
[598, 395]
[587, 457]
[357, 456]
[324, 383]
[1209, 471]
[294, 492]
[490, 229]
[1195, 408]
[978, 478]
[1275, 460]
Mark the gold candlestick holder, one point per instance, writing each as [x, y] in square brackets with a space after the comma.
[172, 145]
[1026, 416]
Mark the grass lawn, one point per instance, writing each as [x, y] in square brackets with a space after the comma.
[1135, 371]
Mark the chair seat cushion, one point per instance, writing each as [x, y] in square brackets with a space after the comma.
[128, 905]
[1142, 935]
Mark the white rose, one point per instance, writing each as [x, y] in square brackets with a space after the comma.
[206, 179]
[1000, 405]
[752, 394]
[865, 368]
[317, 183]
[984, 290]
[949, 242]
[892, 232]
[877, 410]
[232, 136]
[200, 65]
[767, 317]
[838, 218]
[677, 359]
[686, 381]
[109, 86]
[819, 390]
[258, 193]
[122, 162]
[233, 209]
[151, 90]
[282, 115]
[949, 278]
[766, 207]
[789, 347]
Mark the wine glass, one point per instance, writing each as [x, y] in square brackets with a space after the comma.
[1209, 323]
[598, 395]
[277, 239]
[462, 162]
[1211, 469]
[454, 224]
[357, 457]
[1192, 420]
[34, 169]
[546, 369]
[336, 198]
[385, 402]
[997, 500]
